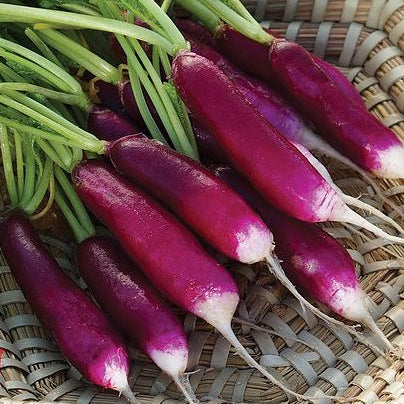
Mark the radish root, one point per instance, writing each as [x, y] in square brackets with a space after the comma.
[350, 200]
[182, 382]
[349, 216]
[128, 394]
[325, 149]
[278, 272]
[228, 333]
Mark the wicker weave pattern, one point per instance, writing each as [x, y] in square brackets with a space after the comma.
[305, 353]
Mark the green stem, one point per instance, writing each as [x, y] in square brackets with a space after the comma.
[44, 74]
[75, 201]
[46, 117]
[94, 145]
[11, 13]
[19, 162]
[41, 189]
[49, 149]
[156, 59]
[142, 105]
[9, 74]
[79, 233]
[165, 61]
[166, 5]
[85, 58]
[65, 98]
[153, 9]
[202, 13]
[42, 47]
[183, 143]
[53, 72]
[8, 166]
[248, 27]
[79, 8]
[29, 183]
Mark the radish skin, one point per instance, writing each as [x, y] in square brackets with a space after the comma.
[194, 194]
[133, 304]
[109, 125]
[84, 334]
[273, 165]
[165, 251]
[343, 122]
[272, 106]
[312, 259]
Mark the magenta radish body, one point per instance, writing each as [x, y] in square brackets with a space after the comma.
[107, 124]
[164, 249]
[257, 150]
[251, 144]
[311, 258]
[84, 334]
[133, 304]
[343, 122]
[206, 204]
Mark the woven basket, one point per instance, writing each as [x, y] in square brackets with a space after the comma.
[307, 354]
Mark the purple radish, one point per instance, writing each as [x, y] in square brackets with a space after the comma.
[109, 95]
[165, 250]
[209, 148]
[109, 125]
[84, 334]
[257, 150]
[272, 106]
[312, 259]
[133, 304]
[343, 122]
[194, 194]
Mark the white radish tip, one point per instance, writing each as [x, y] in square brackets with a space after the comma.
[254, 244]
[392, 163]
[172, 361]
[217, 309]
[116, 378]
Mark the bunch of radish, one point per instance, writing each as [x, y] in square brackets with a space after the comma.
[152, 198]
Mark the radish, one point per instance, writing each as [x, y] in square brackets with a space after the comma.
[109, 125]
[272, 105]
[165, 251]
[125, 295]
[194, 194]
[344, 123]
[84, 334]
[132, 303]
[312, 259]
[274, 166]
[341, 120]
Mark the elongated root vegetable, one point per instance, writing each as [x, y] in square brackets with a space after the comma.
[311, 258]
[273, 107]
[205, 203]
[257, 150]
[135, 307]
[107, 124]
[165, 251]
[84, 334]
[343, 122]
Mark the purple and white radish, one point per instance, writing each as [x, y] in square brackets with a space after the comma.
[312, 259]
[84, 334]
[135, 306]
[257, 150]
[342, 121]
[195, 195]
[165, 250]
[276, 109]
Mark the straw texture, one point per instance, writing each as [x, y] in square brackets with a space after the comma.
[308, 355]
